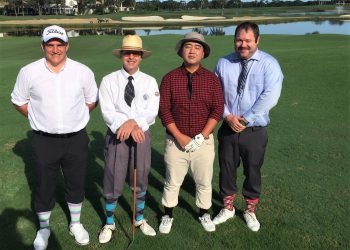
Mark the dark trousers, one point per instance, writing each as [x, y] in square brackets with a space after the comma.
[119, 165]
[51, 155]
[249, 147]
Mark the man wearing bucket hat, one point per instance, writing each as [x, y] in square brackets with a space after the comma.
[252, 83]
[57, 102]
[129, 101]
[191, 105]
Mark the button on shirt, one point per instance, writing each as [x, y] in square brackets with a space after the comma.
[56, 101]
[144, 106]
[262, 89]
[190, 114]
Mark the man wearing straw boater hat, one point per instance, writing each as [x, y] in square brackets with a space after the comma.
[129, 102]
[191, 104]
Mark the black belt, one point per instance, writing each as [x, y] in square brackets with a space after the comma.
[56, 135]
[247, 128]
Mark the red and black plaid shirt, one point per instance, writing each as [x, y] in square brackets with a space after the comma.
[190, 114]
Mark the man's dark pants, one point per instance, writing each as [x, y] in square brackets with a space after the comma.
[51, 154]
[249, 147]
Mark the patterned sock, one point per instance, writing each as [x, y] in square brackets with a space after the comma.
[75, 210]
[229, 202]
[110, 208]
[44, 219]
[250, 204]
[140, 205]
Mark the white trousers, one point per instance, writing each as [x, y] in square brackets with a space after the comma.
[177, 163]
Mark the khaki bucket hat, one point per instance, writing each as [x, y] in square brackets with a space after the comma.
[193, 37]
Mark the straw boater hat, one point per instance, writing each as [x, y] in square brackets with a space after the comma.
[193, 37]
[134, 43]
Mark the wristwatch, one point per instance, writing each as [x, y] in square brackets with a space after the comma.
[243, 122]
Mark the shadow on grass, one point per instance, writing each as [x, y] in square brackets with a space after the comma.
[23, 148]
[94, 178]
[11, 237]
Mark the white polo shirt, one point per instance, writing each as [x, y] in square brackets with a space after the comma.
[56, 101]
[144, 107]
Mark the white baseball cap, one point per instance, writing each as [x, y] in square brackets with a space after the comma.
[54, 31]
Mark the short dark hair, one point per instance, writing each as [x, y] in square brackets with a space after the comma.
[246, 26]
[54, 39]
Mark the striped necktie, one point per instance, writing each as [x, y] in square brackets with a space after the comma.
[129, 92]
[242, 77]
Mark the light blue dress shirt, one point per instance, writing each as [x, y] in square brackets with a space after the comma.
[262, 89]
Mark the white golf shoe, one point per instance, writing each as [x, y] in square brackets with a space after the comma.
[145, 228]
[207, 223]
[42, 239]
[223, 216]
[80, 234]
[251, 220]
[165, 224]
[106, 233]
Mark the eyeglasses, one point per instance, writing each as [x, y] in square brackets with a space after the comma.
[133, 52]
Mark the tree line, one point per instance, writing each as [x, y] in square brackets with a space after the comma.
[45, 7]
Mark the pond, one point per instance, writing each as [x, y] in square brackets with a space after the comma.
[294, 28]
[291, 28]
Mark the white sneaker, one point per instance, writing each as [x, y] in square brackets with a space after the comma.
[223, 216]
[165, 224]
[145, 228]
[42, 239]
[80, 234]
[106, 233]
[207, 223]
[252, 222]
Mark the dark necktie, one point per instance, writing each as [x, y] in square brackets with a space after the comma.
[189, 84]
[129, 93]
[242, 77]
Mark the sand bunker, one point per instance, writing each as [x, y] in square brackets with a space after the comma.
[200, 18]
[182, 19]
[142, 18]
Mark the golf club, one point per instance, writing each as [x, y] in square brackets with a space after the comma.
[134, 205]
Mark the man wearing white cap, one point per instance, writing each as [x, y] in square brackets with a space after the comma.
[57, 94]
[129, 101]
[191, 105]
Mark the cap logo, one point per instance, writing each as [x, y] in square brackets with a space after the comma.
[54, 31]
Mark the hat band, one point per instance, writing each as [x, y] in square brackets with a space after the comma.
[130, 48]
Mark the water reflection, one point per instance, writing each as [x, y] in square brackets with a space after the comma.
[294, 28]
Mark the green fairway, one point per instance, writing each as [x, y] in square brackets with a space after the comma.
[305, 200]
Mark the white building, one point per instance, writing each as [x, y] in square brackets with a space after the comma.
[69, 8]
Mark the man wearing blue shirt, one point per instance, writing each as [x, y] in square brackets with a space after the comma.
[252, 83]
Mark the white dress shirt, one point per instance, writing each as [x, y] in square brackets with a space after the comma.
[144, 107]
[56, 101]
